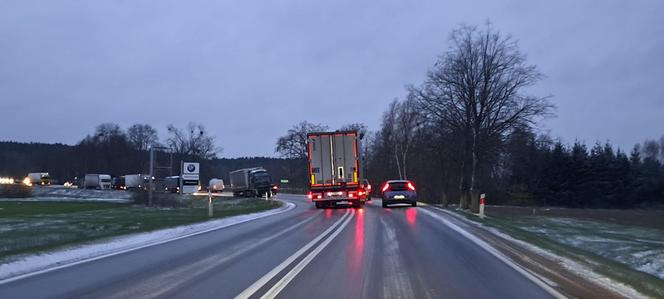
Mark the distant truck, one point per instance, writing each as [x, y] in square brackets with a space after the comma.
[250, 182]
[118, 183]
[136, 181]
[97, 181]
[39, 178]
[334, 169]
[216, 185]
[173, 184]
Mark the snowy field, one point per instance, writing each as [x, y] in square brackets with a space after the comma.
[640, 248]
[56, 193]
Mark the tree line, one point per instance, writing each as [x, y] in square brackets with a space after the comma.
[111, 150]
[470, 128]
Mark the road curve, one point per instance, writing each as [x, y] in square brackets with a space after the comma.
[399, 252]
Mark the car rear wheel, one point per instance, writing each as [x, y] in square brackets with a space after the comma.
[319, 205]
[384, 204]
[414, 204]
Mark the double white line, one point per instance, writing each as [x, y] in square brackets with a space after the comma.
[288, 277]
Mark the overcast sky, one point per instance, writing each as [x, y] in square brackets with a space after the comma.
[249, 70]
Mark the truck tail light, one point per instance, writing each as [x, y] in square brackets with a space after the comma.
[310, 196]
[386, 187]
[411, 186]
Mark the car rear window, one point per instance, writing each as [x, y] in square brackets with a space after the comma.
[398, 186]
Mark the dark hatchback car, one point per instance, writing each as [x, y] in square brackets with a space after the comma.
[399, 192]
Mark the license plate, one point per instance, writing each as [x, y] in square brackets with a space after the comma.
[399, 197]
[343, 202]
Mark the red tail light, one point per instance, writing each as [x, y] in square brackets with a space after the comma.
[411, 186]
[310, 196]
[386, 187]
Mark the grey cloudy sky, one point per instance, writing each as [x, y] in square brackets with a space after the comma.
[249, 70]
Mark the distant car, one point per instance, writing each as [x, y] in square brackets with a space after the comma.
[216, 185]
[399, 191]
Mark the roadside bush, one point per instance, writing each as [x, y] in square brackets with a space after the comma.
[15, 191]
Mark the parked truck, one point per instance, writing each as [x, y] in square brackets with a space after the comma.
[250, 182]
[335, 165]
[97, 181]
[136, 181]
[39, 178]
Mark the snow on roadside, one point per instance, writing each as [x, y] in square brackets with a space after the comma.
[569, 264]
[574, 266]
[637, 247]
[33, 264]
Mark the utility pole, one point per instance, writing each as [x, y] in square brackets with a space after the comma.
[153, 166]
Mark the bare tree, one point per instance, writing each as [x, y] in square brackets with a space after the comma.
[108, 132]
[407, 121]
[193, 140]
[359, 127]
[293, 145]
[142, 136]
[651, 150]
[477, 88]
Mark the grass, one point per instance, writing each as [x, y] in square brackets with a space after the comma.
[31, 227]
[546, 234]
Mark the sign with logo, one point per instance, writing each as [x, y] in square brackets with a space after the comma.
[190, 170]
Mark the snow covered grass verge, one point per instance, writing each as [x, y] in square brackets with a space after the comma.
[603, 252]
[37, 227]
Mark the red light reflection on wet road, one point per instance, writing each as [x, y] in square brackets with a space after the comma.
[411, 217]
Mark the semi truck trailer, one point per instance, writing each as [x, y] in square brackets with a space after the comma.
[97, 181]
[39, 178]
[250, 182]
[335, 165]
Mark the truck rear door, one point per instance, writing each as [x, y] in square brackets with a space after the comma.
[333, 158]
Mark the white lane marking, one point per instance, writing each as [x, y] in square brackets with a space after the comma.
[270, 275]
[164, 282]
[484, 245]
[396, 282]
[281, 284]
[289, 206]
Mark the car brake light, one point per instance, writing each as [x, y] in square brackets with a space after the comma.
[411, 186]
[309, 195]
[386, 187]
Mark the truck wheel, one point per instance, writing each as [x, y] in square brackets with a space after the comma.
[384, 204]
[414, 204]
[319, 205]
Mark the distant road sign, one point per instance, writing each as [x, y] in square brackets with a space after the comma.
[284, 181]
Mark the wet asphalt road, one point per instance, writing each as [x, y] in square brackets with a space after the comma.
[399, 252]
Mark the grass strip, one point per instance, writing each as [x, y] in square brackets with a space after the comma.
[33, 227]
